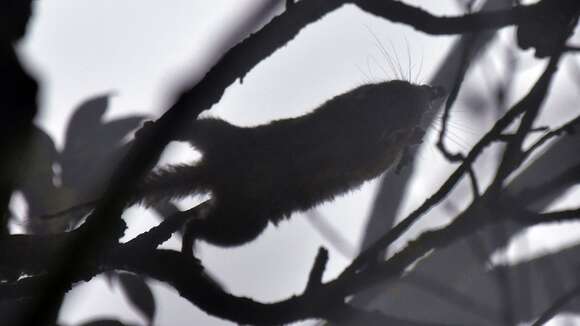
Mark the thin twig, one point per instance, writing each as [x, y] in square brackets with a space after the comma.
[539, 89]
[317, 270]
[531, 105]
[474, 182]
[463, 66]
[569, 127]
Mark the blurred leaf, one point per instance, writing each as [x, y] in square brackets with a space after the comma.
[36, 175]
[91, 140]
[114, 131]
[37, 182]
[138, 293]
[86, 117]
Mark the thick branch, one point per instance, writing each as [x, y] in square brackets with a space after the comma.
[187, 276]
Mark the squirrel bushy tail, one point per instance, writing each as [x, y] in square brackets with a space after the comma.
[173, 182]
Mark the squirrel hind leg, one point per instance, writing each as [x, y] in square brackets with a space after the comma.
[226, 227]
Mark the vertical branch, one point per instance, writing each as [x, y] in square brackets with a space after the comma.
[465, 55]
[18, 101]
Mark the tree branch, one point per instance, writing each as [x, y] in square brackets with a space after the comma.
[532, 98]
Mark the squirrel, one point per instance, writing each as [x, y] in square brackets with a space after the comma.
[263, 174]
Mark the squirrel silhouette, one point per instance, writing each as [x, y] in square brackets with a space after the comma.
[263, 174]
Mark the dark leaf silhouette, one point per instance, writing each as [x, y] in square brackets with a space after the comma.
[85, 126]
[138, 293]
[37, 177]
[85, 165]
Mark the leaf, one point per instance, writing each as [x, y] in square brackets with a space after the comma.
[91, 140]
[88, 115]
[139, 294]
[114, 131]
[36, 174]
[82, 148]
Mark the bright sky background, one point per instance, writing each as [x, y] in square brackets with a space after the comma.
[143, 49]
